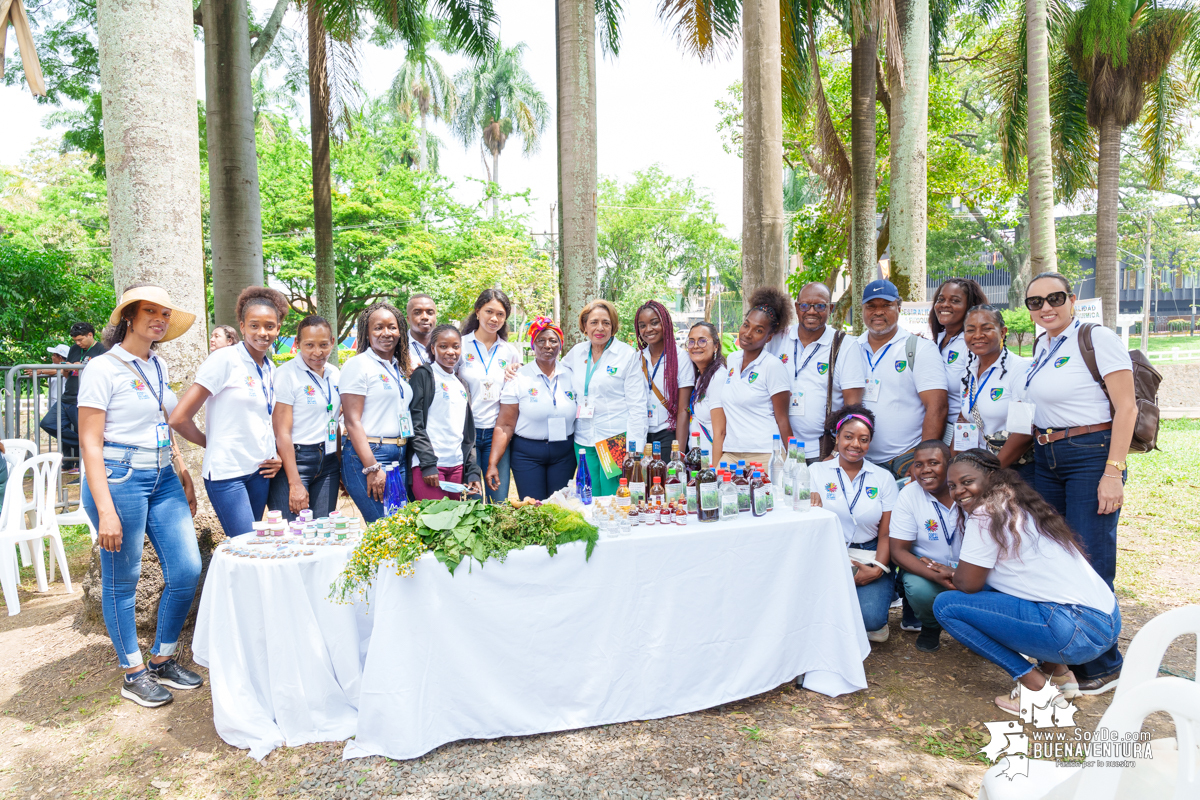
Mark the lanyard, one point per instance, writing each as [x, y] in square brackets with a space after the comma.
[421, 350]
[1041, 362]
[159, 396]
[650, 376]
[553, 389]
[861, 483]
[328, 390]
[950, 534]
[488, 366]
[592, 366]
[263, 380]
[796, 357]
[399, 384]
[973, 397]
[867, 353]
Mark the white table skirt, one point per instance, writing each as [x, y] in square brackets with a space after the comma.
[285, 661]
[669, 621]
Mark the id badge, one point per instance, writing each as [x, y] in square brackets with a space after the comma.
[871, 392]
[557, 427]
[490, 391]
[1020, 417]
[585, 410]
[966, 436]
[331, 437]
[797, 407]
[406, 428]
[162, 432]
[650, 412]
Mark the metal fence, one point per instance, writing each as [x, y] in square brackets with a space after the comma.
[32, 411]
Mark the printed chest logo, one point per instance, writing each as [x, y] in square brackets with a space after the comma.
[611, 370]
[830, 490]
[729, 378]
[310, 394]
[139, 386]
[822, 368]
[570, 395]
[470, 357]
[753, 377]
[783, 357]
[533, 393]
[900, 365]
[872, 492]
[503, 363]
[250, 382]
[387, 382]
[931, 527]
[952, 357]
[996, 394]
[1060, 361]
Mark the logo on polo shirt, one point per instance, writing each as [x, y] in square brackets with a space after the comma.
[1060, 361]
[830, 490]
[950, 359]
[310, 390]
[872, 492]
[533, 392]
[611, 370]
[250, 382]
[822, 368]
[470, 356]
[503, 363]
[753, 377]
[996, 394]
[931, 527]
[900, 365]
[138, 385]
[387, 382]
[783, 357]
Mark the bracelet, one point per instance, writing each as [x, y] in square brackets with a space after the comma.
[1107, 475]
[1118, 464]
[373, 468]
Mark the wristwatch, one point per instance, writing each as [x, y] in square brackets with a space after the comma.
[373, 468]
[1118, 464]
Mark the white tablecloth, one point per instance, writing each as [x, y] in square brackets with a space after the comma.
[285, 661]
[669, 621]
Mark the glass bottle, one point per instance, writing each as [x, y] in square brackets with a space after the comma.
[776, 463]
[681, 515]
[768, 488]
[729, 499]
[583, 480]
[623, 496]
[627, 465]
[709, 501]
[801, 494]
[742, 486]
[643, 514]
[624, 526]
[637, 477]
[758, 495]
[674, 485]
[658, 467]
[658, 494]
[692, 459]
[693, 503]
[647, 457]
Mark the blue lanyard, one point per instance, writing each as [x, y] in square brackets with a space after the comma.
[950, 534]
[796, 356]
[328, 390]
[159, 396]
[650, 376]
[867, 353]
[972, 398]
[488, 366]
[591, 366]
[263, 379]
[862, 481]
[399, 383]
[417, 347]
[1041, 362]
[553, 390]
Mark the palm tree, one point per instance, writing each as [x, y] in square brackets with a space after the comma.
[497, 98]
[908, 135]
[1043, 254]
[423, 88]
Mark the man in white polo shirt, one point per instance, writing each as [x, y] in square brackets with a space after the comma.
[909, 399]
[421, 312]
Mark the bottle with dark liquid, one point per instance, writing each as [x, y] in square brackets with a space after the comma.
[647, 457]
[636, 476]
[658, 494]
[692, 459]
[658, 467]
[742, 486]
[708, 509]
[627, 464]
[758, 495]
[674, 485]
[693, 498]
[677, 462]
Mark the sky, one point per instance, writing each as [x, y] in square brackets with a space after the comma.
[654, 105]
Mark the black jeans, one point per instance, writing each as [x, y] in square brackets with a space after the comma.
[318, 472]
[541, 467]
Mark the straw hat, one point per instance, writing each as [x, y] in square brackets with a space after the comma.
[180, 320]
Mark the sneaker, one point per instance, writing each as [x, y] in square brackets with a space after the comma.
[1099, 685]
[911, 627]
[880, 635]
[145, 691]
[929, 641]
[1066, 684]
[169, 673]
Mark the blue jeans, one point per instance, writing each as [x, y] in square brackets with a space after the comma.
[1067, 474]
[356, 482]
[483, 451]
[319, 474]
[542, 467]
[876, 597]
[49, 424]
[1000, 627]
[150, 503]
[239, 502]
[920, 593]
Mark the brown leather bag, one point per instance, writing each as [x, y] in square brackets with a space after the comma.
[1145, 391]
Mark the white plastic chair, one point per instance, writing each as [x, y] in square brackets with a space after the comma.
[44, 469]
[16, 451]
[76, 517]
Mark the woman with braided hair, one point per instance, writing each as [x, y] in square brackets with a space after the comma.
[708, 368]
[947, 317]
[668, 374]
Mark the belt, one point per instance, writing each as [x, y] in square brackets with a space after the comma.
[1051, 435]
[386, 440]
[138, 457]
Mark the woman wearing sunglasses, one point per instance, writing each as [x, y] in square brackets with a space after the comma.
[1082, 431]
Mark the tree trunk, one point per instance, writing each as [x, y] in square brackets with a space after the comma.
[423, 139]
[1043, 247]
[1106, 217]
[862, 162]
[234, 209]
[576, 66]
[908, 123]
[764, 249]
[1017, 257]
[318, 106]
[496, 180]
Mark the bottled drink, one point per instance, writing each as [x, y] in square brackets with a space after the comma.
[583, 480]
[658, 494]
[658, 467]
[676, 462]
[729, 499]
[636, 476]
[623, 496]
[743, 470]
[709, 499]
[801, 494]
[623, 524]
[776, 464]
[692, 459]
[681, 515]
[693, 502]
[768, 488]
[758, 495]
[389, 481]
[627, 465]
[741, 486]
[643, 514]
[674, 485]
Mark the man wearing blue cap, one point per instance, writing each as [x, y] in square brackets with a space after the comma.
[906, 382]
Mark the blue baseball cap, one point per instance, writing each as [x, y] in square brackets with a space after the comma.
[880, 290]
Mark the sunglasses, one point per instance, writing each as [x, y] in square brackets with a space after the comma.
[1055, 299]
[818, 307]
[701, 342]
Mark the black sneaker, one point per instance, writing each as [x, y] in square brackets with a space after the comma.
[145, 691]
[929, 640]
[169, 673]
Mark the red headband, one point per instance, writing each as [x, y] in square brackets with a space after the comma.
[540, 324]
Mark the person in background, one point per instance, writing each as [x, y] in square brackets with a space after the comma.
[84, 350]
[910, 397]
[1023, 585]
[222, 336]
[705, 415]
[1082, 429]
[537, 419]
[610, 392]
[236, 386]
[307, 406]
[668, 375]
[822, 380]
[421, 313]
[756, 390]
[133, 492]
[488, 362]
[376, 397]
[50, 422]
[862, 495]
[443, 440]
[951, 302]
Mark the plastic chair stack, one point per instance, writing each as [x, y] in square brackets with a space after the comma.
[44, 471]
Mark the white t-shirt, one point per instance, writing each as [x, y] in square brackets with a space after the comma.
[993, 390]
[932, 527]
[482, 370]
[310, 394]
[446, 418]
[1040, 569]
[657, 418]
[616, 394]
[877, 495]
[898, 408]
[1061, 387]
[385, 391]
[418, 353]
[539, 399]
[702, 409]
[809, 370]
[954, 356]
[745, 397]
[127, 400]
[238, 414]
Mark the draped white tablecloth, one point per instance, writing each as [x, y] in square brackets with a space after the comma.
[668, 621]
[285, 661]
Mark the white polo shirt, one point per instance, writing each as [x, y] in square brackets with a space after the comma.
[954, 356]
[657, 418]
[482, 370]
[992, 391]
[617, 393]
[418, 353]
[745, 397]
[386, 394]
[933, 528]
[898, 409]
[310, 394]
[1061, 387]
[238, 414]
[446, 418]
[127, 400]
[809, 368]
[872, 492]
[539, 399]
[702, 408]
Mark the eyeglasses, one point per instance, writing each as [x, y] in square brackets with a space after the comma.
[818, 307]
[701, 342]
[1055, 299]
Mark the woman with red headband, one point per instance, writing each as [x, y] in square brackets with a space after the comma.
[537, 417]
[668, 373]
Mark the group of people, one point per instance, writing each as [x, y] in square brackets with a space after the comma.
[456, 409]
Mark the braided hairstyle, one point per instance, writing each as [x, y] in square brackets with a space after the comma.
[998, 319]
[974, 296]
[400, 353]
[703, 379]
[776, 305]
[670, 355]
[838, 416]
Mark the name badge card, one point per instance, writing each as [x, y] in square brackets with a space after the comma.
[162, 432]
[1020, 417]
[797, 407]
[406, 426]
[585, 410]
[966, 436]
[557, 428]
[871, 392]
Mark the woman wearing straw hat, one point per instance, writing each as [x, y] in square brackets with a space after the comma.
[132, 491]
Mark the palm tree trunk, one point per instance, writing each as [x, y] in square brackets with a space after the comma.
[234, 206]
[1106, 217]
[862, 162]
[318, 105]
[423, 139]
[764, 249]
[496, 180]
[908, 145]
[575, 22]
[1043, 247]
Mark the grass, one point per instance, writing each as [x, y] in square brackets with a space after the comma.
[962, 745]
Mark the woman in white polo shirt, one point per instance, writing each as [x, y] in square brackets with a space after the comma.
[375, 406]
[1083, 429]
[307, 408]
[443, 440]
[236, 386]
[708, 374]
[488, 362]
[610, 392]
[537, 419]
[951, 302]
[862, 495]
[757, 389]
[668, 375]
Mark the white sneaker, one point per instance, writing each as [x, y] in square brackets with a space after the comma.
[880, 635]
